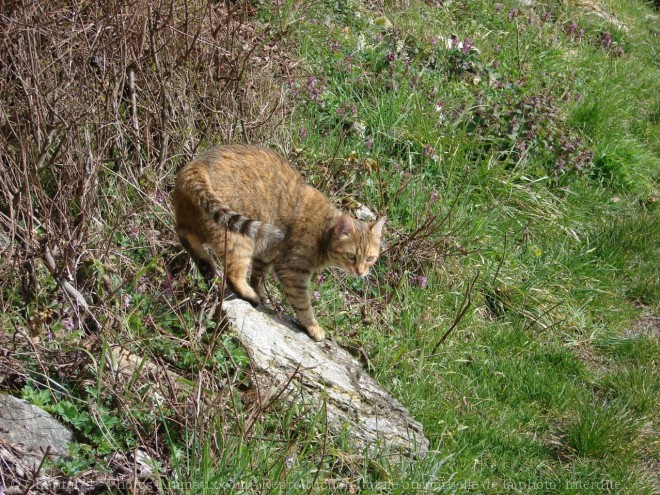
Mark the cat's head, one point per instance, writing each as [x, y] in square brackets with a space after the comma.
[354, 245]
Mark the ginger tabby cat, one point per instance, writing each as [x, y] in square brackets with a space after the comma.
[252, 207]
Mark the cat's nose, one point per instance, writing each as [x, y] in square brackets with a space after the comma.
[361, 271]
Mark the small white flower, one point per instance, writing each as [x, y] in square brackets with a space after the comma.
[361, 42]
[451, 42]
[360, 128]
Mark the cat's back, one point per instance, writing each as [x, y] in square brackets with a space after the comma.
[249, 165]
[254, 181]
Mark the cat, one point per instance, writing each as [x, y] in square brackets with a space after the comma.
[251, 206]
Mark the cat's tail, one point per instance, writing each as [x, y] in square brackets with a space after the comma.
[194, 180]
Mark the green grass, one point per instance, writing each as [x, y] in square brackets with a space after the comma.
[525, 390]
[536, 159]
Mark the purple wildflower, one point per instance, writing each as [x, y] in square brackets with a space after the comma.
[618, 51]
[142, 285]
[606, 39]
[428, 150]
[434, 196]
[421, 281]
[368, 143]
[311, 83]
[345, 107]
[572, 28]
[467, 45]
[127, 300]
[68, 324]
[303, 133]
[513, 13]
[499, 7]
[316, 295]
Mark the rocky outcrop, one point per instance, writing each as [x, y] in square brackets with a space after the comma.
[288, 364]
[31, 431]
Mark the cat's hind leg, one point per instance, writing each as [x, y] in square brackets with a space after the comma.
[236, 254]
[193, 244]
[260, 270]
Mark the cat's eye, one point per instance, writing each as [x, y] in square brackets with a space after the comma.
[351, 256]
[370, 259]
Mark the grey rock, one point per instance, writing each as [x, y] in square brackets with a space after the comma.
[324, 374]
[365, 214]
[32, 429]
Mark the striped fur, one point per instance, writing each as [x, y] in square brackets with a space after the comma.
[254, 209]
[194, 181]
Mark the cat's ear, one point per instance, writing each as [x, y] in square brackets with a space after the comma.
[344, 225]
[377, 227]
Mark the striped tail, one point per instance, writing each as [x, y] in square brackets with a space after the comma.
[199, 188]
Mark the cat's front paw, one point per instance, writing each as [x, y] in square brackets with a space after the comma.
[316, 332]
